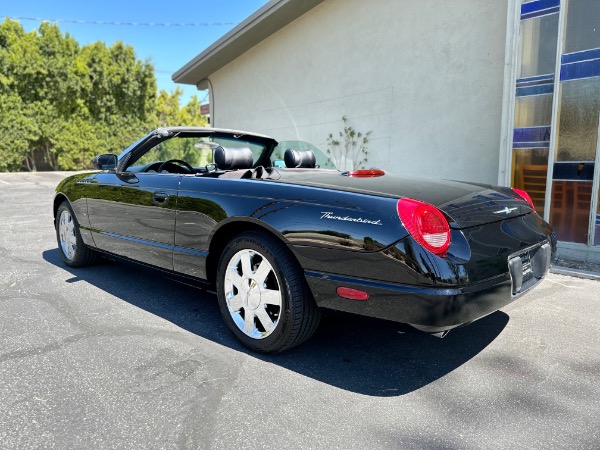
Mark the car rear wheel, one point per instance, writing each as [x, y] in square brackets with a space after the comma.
[72, 249]
[263, 296]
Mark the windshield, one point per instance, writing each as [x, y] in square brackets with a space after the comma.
[196, 151]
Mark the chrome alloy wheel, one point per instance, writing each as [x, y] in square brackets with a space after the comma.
[253, 294]
[66, 233]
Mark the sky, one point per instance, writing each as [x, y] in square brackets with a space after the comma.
[167, 47]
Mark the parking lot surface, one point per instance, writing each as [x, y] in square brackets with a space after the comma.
[113, 356]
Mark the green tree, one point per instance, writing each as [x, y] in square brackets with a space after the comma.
[169, 113]
[61, 104]
[190, 113]
[16, 77]
[18, 130]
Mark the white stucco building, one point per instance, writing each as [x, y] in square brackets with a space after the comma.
[461, 90]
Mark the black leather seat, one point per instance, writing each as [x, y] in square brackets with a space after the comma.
[297, 159]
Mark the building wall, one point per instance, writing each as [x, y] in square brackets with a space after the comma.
[425, 77]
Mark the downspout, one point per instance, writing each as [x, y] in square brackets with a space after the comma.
[202, 84]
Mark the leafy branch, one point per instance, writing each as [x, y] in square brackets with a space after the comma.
[349, 151]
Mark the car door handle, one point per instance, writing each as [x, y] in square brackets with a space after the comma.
[159, 198]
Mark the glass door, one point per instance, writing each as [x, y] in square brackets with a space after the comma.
[555, 155]
[574, 202]
[533, 99]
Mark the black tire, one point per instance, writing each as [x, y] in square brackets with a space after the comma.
[297, 317]
[71, 247]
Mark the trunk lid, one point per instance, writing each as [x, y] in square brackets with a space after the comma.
[465, 204]
[486, 206]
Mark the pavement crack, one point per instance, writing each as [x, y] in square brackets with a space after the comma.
[37, 351]
[75, 338]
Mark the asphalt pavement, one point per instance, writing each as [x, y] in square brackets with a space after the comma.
[113, 356]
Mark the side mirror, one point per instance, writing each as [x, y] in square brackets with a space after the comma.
[105, 162]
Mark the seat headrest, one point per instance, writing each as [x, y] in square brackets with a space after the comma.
[232, 158]
[296, 158]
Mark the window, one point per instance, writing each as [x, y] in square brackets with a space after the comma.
[197, 151]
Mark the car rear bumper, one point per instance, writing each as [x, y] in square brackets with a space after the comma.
[428, 309]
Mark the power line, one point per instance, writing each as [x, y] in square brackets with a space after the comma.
[129, 24]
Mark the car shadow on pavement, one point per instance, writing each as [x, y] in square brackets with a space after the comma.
[358, 354]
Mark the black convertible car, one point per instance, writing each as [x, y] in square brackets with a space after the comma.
[281, 233]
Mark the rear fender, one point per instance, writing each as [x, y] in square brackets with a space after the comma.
[368, 225]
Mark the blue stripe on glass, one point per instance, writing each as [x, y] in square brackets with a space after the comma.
[538, 5]
[539, 8]
[156, 244]
[575, 171]
[539, 89]
[598, 220]
[538, 79]
[531, 134]
[579, 70]
[584, 55]
[540, 144]
[548, 76]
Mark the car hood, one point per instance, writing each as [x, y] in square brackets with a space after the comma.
[465, 204]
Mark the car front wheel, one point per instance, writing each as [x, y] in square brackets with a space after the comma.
[263, 296]
[72, 249]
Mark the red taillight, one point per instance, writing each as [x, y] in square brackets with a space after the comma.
[525, 197]
[426, 224]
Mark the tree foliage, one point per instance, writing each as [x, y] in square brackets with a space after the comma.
[62, 103]
[168, 112]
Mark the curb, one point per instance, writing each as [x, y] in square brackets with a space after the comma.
[561, 270]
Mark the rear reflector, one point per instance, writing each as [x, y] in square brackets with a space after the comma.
[525, 196]
[351, 294]
[426, 224]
